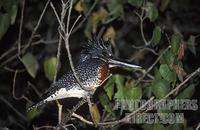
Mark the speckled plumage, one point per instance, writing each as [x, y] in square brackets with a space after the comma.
[93, 69]
[88, 72]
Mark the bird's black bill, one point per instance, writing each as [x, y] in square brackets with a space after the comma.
[117, 63]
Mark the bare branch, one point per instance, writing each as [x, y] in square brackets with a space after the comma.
[30, 39]
[156, 61]
[13, 108]
[86, 16]
[82, 119]
[20, 27]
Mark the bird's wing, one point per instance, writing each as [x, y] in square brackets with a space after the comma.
[66, 82]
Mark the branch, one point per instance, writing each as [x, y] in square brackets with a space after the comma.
[86, 16]
[30, 39]
[13, 108]
[141, 18]
[66, 39]
[156, 61]
[20, 27]
[198, 126]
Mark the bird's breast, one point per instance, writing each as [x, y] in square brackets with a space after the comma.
[104, 73]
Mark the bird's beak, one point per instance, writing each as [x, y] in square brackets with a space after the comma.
[117, 63]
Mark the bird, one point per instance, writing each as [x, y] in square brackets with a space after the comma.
[95, 62]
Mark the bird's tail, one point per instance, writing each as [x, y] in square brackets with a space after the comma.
[36, 105]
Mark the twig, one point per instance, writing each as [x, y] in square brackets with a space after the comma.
[20, 26]
[66, 40]
[59, 43]
[86, 16]
[123, 120]
[14, 48]
[30, 39]
[75, 108]
[59, 112]
[198, 127]
[140, 16]
[82, 119]
[13, 108]
[13, 86]
[74, 24]
[34, 88]
[12, 70]
[179, 86]
[61, 20]
[13, 89]
[36, 26]
[156, 61]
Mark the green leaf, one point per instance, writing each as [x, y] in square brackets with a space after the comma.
[175, 42]
[109, 87]
[156, 35]
[157, 74]
[136, 3]
[33, 113]
[151, 11]
[176, 127]
[147, 91]
[119, 80]
[31, 64]
[50, 67]
[168, 58]
[166, 73]
[191, 44]
[132, 91]
[13, 12]
[147, 126]
[115, 8]
[187, 92]
[160, 88]
[159, 127]
[103, 98]
[4, 24]
[94, 111]
[8, 16]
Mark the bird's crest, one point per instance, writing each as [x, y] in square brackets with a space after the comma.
[96, 48]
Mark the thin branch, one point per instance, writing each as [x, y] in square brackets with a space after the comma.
[60, 39]
[13, 71]
[198, 127]
[59, 112]
[55, 12]
[74, 24]
[14, 48]
[13, 108]
[34, 88]
[86, 16]
[175, 89]
[30, 39]
[20, 26]
[156, 61]
[13, 89]
[60, 20]
[75, 108]
[66, 39]
[36, 26]
[141, 18]
[82, 119]
[123, 120]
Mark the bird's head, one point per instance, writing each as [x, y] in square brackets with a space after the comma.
[100, 49]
